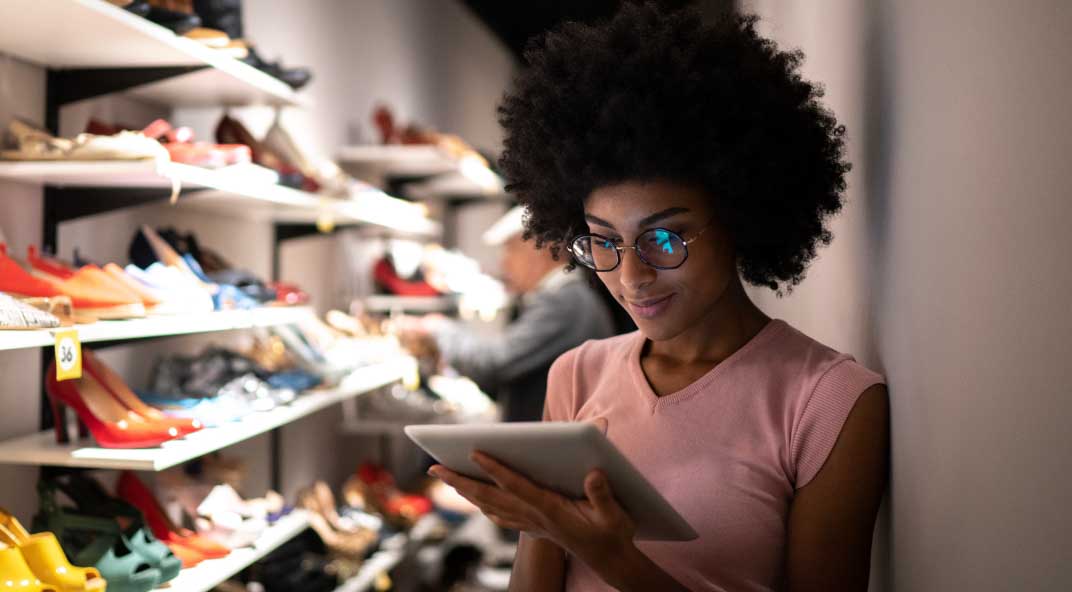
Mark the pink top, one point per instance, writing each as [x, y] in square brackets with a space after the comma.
[728, 451]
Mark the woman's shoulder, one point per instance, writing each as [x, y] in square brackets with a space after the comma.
[806, 356]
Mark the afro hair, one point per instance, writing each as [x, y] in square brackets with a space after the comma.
[662, 95]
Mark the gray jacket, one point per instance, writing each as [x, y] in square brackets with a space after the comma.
[561, 314]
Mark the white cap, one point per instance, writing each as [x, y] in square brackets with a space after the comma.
[505, 228]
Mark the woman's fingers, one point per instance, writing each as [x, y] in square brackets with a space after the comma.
[489, 498]
[597, 489]
[511, 481]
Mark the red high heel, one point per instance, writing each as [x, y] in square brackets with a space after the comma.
[131, 489]
[122, 393]
[111, 424]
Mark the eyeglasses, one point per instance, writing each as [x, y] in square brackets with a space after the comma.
[656, 247]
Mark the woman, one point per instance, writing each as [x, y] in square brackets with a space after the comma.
[678, 159]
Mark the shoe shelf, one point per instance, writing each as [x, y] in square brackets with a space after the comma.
[89, 34]
[211, 573]
[423, 304]
[392, 552]
[41, 448]
[248, 191]
[162, 326]
[398, 160]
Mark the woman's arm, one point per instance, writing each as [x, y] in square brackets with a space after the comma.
[540, 566]
[832, 518]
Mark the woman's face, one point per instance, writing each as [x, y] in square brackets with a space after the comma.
[663, 303]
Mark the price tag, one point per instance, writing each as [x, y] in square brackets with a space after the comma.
[68, 355]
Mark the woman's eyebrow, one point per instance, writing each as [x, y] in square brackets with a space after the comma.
[647, 221]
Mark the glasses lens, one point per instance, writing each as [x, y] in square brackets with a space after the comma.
[595, 252]
[659, 247]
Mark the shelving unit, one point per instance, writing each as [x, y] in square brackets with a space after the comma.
[429, 172]
[85, 35]
[211, 573]
[420, 304]
[161, 326]
[381, 562]
[41, 448]
[90, 48]
[248, 190]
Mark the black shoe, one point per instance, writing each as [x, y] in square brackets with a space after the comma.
[179, 22]
[222, 15]
[293, 77]
[138, 7]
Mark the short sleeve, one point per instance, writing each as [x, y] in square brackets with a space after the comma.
[831, 401]
[558, 404]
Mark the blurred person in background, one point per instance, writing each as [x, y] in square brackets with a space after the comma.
[559, 310]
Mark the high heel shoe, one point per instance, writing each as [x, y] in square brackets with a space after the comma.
[45, 558]
[92, 499]
[131, 489]
[91, 540]
[15, 574]
[111, 423]
[124, 395]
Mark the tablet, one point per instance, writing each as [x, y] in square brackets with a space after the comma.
[558, 456]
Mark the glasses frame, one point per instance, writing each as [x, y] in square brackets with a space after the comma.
[636, 248]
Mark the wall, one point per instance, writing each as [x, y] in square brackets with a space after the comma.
[410, 54]
[949, 273]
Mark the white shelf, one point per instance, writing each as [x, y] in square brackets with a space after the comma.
[161, 326]
[381, 562]
[67, 34]
[387, 303]
[397, 160]
[213, 572]
[363, 427]
[42, 449]
[249, 191]
[456, 185]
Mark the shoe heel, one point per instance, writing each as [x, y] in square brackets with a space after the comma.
[59, 419]
[83, 430]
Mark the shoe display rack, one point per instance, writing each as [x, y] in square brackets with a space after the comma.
[160, 326]
[82, 39]
[251, 192]
[423, 172]
[89, 49]
[41, 448]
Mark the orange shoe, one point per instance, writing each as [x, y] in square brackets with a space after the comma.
[148, 299]
[92, 291]
[188, 556]
[18, 282]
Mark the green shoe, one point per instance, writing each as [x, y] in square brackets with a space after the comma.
[89, 540]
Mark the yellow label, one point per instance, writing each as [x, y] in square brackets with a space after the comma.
[68, 355]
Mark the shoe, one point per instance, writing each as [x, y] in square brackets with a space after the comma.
[28, 142]
[182, 148]
[176, 15]
[122, 393]
[46, 558]
[227, 519]
[377, 487]
[16, 315]
[15, 574]
[131, 489]
[91, 290]
[92, 499]
[112, 424]
[148, 299]
[181, 293]
[18, 282]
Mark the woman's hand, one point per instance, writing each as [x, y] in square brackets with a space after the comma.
[595, 529]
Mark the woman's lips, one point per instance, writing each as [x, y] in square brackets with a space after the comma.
[650, 307]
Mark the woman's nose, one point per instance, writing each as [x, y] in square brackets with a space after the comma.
[634, 273]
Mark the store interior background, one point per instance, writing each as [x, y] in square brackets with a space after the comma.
[948, 272]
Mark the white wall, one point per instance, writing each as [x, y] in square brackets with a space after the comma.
[949, 273]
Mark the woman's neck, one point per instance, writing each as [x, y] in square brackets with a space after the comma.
[731, 322]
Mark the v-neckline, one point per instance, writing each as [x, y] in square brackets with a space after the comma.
[772, 327]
